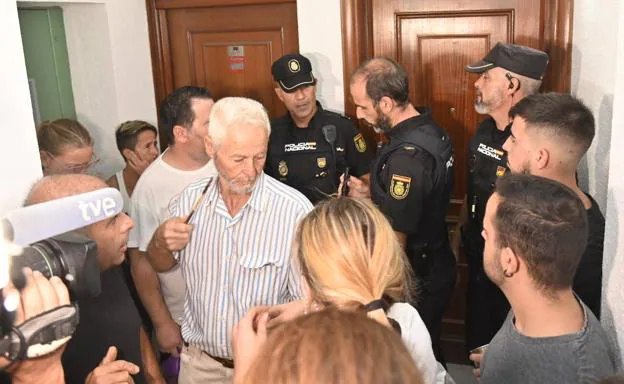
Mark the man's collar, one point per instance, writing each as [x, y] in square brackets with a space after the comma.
[423, 117]
[256, 200]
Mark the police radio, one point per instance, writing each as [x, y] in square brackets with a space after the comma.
[329, 132]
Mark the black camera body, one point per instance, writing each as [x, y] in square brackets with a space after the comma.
[70, 256]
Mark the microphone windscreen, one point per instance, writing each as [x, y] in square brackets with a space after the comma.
[41, 221]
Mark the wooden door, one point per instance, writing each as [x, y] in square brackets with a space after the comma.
[227, 46]
[434, 40]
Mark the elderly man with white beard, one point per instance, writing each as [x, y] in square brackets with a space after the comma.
[231, 235]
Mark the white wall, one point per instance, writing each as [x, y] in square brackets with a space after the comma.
[593, 80]
[19, 157]
[613, 266]
[598, 79]
[320, 40]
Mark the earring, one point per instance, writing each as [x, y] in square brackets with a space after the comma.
[507, 274]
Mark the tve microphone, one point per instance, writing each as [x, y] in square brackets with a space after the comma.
[30, 224]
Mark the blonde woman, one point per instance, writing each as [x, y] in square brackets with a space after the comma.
[65, 146]
[351, 259]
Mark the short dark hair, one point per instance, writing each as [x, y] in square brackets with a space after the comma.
[176, 109]
[562, 114]
[127, 133]
[384, 77]
[544, 223]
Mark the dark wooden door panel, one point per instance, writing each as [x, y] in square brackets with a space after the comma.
[227, 47]
[215, 69]
[434, 48]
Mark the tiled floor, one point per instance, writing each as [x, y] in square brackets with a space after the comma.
[462, 374]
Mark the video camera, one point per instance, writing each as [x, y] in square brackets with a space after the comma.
[53, 245]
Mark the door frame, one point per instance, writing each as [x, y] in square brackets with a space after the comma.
[162, 66]
[555, 39]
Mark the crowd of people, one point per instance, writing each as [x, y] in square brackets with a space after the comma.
[221, 269]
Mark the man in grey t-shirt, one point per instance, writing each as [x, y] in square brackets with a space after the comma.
[535, 231]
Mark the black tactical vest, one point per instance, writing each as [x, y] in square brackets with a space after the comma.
[430, 140]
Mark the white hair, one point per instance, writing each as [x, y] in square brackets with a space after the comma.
[528, 86]
[230, 112]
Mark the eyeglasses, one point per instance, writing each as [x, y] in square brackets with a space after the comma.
[78, 168]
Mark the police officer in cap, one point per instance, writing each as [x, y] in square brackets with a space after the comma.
[508, 73]
[309, 147]
[411, 182]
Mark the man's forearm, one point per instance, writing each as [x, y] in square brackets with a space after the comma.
[160, 258]
[148, 286]
[150, 362]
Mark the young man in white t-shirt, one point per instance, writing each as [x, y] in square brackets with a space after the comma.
[184, 116]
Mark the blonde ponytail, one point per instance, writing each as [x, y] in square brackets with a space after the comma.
[349, 256]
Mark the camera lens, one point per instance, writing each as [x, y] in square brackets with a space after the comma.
[40, 257]
[72, 258]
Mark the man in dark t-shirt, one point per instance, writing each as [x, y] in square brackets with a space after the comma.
[550, 134]
[110, 318]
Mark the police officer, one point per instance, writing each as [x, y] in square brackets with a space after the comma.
[309, 147]
[508, 73]
[411, 182]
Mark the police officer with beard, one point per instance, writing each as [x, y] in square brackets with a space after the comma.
[310, 147]
[411, 182]
[508, 73]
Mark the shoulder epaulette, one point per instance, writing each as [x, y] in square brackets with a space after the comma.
[338, 115]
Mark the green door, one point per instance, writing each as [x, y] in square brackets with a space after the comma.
[47, 64]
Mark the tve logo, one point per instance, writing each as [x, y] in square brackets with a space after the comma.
[94, 209]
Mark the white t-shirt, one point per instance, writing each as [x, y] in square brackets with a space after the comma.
[123, 190]
[157, 190]
[418, 342]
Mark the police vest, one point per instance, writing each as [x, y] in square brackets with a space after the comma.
[435, 142]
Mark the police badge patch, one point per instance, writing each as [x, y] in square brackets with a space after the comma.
[500, 171]
[360, 143]
[321, 162]
[399, 186]
[282, 168]
[294, 66]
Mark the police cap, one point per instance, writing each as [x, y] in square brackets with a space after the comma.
[518, 59]
[292, 71]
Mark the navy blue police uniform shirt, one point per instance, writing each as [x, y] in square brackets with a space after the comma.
[303, 159]
[487, 161]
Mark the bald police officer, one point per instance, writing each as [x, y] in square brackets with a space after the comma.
[508, 73]
[310, 147]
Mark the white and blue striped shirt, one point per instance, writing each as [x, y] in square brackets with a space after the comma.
[232, 264]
